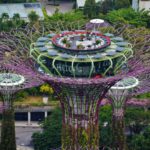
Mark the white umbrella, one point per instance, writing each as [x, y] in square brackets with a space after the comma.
[97, 21]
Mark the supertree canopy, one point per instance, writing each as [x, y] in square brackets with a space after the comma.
[82, 66]
[81, 53]
[118, 96]
[13, 79]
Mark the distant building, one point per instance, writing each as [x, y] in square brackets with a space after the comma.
[80, 3]
[144, 4]
[141, 4]
[21, 8]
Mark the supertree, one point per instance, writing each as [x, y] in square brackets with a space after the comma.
[12, 80]
[122, 91]
[16, 74]
[82, 66]
[118, 96]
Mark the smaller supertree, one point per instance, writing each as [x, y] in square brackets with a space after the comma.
[118, 95]
[13, 78]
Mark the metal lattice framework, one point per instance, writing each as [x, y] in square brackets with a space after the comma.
[118, 95]
[80, 101]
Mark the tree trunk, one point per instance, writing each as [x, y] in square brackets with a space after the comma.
[79, 136]
[118, 128]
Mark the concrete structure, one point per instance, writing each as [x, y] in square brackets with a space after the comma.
[135, 4]
[141, 4]
[22, 8]
[30, 110]
[144, 4]
[64, 7]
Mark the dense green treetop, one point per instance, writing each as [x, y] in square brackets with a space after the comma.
[90, 8]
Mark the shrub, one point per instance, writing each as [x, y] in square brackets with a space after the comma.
[129, 16]
[69, 16]
[141, 141]
[144, 96]
[33, 17]
[35, 91]
[22, 94]
[51, 135]
[46, 89]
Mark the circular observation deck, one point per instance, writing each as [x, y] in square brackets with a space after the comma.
[81, 54]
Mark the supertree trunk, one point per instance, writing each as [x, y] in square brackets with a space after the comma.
[80, 109]
[76, 138]
[8, 139]
[118, 130]
[80, 119]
